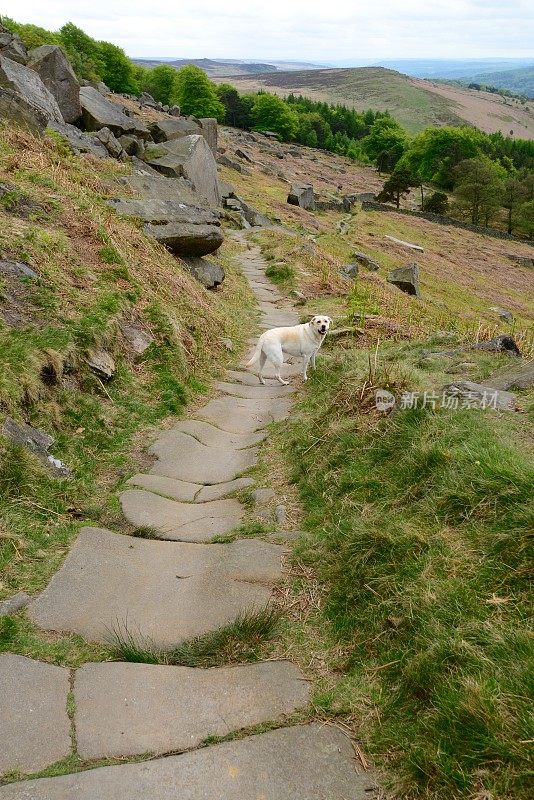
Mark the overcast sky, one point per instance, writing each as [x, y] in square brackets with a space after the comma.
[298, 30]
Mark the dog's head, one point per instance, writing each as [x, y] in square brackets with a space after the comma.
[320, 324]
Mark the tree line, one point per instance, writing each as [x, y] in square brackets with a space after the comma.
[491, 176]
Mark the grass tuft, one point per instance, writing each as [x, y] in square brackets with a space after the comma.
[239, 642]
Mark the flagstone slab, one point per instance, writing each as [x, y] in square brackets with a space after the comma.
[163, 592]
[188, 492]
[257, 392]
[182, 457]
[34, 725]
[308, 762]
[186, 522]
[243, 416]
[128, 709]
[212, 436]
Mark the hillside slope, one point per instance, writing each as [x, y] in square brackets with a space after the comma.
[516, 80]
[414, 102]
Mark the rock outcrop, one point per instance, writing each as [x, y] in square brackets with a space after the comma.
[99, 112]
[301, 194]
[52, 66]
[27, 85]
[406, 278]
[190, 157]
[15, 108]
[79, 142]
[209, 274]
[11, 46]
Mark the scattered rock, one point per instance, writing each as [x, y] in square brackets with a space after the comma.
[366, 261]
[350, 270]
[99, 112]
[228, 162]
[174, 111]
[504, 343]
[516, 377]
[190, 157]
[11, 46]
[339, 332]
[28, 85]
[261, 496]
[406, 278]
[228, 344]
[503, 313]
[280, 514]
[101, 362]
[17, 268]
[206, 272]
[300, 298]
[79, 142]
[138, 340]
[112, 145]
[132, 145]
[210, 132]
[463, 366]
[146, 99]
[481, 396]
[405, 244]
[301, 194]
[14, 604]
[55, 71]
[524, 261]
[241, 154]
[37, 442]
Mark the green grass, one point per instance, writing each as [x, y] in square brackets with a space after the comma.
[420, 529]
[238, 642]
[280, 274]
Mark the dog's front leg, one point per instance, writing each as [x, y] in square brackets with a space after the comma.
[305, 362]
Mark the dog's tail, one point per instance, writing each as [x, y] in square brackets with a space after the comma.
[256, 355]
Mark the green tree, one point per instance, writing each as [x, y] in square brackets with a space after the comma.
[398, 184]
[479, 188]
[270, 113]
[514, 194]
[195, 93]
[437, 203]
[83, 52]
[435, 152]
[237, 108]
[31, 35]
[526, 218]
[118, 71]
[159, 82]
[386, 143]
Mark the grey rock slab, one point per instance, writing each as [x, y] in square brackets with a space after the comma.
[406, 278]
[99, 112]
[243, 416]
[129, 709]
[14, 108]
[308, 762]
[520, 376]
[187, 522]
[158, 187]
[260, 496]
[476, 395]
[187, 239]
[254, 392]
[215, 437]
[182, 457]
[168, 487]
[55, 71]
[79, 142]
[218, 490]
[164, 592]
[190, 157]
[14, 603]
[33, 710]
[206, 272]
[28, 85]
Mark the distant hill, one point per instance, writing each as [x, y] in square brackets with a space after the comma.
[520, 81]
[453, 69]
[414, 102]
[212, 67]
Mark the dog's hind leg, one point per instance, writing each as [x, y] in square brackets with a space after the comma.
[263, 359]
[277, 360]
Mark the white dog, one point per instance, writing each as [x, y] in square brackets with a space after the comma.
[297, 340]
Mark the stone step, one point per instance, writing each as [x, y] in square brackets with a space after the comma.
[162, 592]
[182, 457]
[129, 709]
[186, 522]
[257, 392]
[188, 492]
[34, 725]
[309, 762]
[243, 416]
[212, 436]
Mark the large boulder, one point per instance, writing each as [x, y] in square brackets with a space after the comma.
[169, 128]
[190, 157]
[52, 66]
[301, 194]
[14, 108]
[11, 46]
[210, 132]
[99, 112]
[206, 272]
[157, 187]
[27, 84]
[366, 261]
[503, 343]
[184, 229]
[520, 376]
[406, 278]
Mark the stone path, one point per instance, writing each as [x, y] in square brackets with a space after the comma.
[163, 593]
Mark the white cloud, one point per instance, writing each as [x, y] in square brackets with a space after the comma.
[312, 30]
